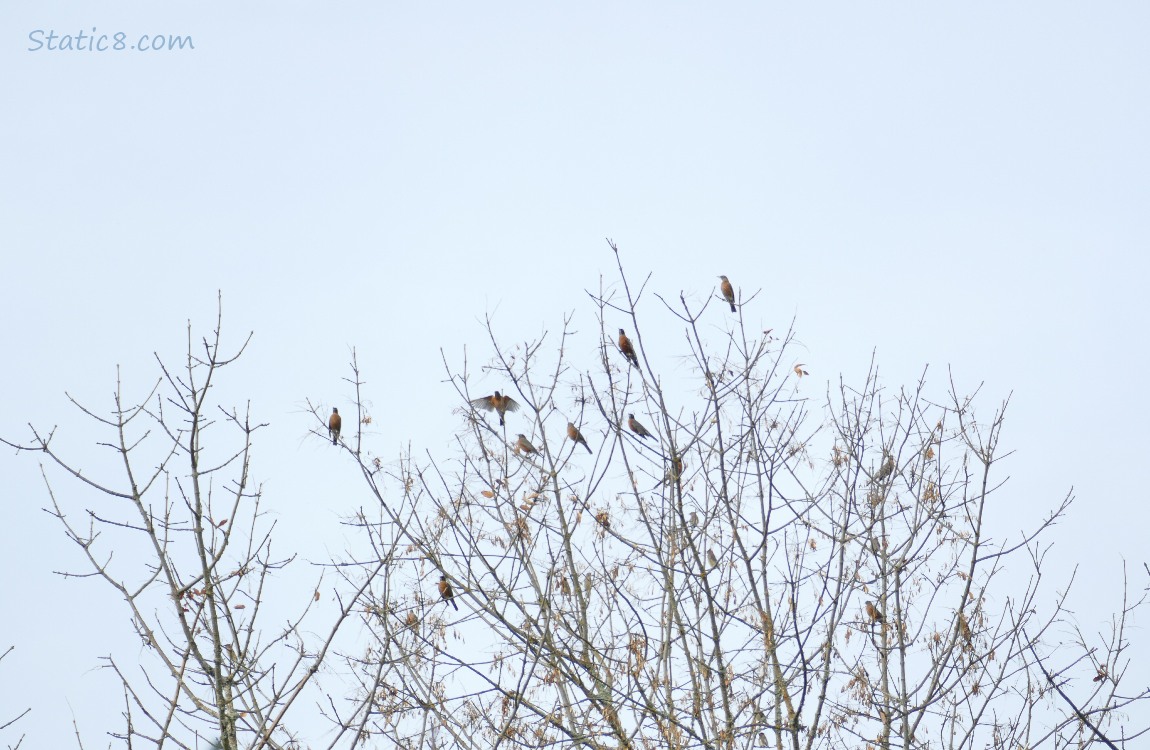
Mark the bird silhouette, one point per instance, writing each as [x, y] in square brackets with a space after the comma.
[446, 592]
[574, 434]
[728, 292]
[627, 348]
[498, 403]
[334, 422]
[637, 427]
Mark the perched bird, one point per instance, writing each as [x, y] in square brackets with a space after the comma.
[334, 422]
[886, 468]
[446, 592]
[637, 427]
[694, 518]
[497, 403]
[873, 613]
[627, 348]
[524, 445]
[728, 292]
[574, 434]
[711, 559]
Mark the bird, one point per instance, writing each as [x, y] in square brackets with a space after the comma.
[334, 422]
[524, 445]
[711, 559]
[873, 613]
[446, 592]
[627, 348]
[694, 518]
[886, 468]
[574, 434]
[728, 292]
[497, 403]
[637, 427]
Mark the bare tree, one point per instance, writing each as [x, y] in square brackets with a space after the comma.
[760, 568]
[184, 545]
[641, 540]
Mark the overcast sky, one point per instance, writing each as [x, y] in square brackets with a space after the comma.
[952, 185]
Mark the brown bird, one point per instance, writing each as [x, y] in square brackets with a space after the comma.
[627, 348]
[574, 434]
[334, 422]
[886, 468]
[873, 613]
[524, 445]
[637, 427]
[728, 292]
[446, 592]
[497, 403]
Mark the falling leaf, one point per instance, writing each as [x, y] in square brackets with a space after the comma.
[800, 371]
[487, 493]
[239, 606]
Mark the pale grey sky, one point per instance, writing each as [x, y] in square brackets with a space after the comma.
[956, 185]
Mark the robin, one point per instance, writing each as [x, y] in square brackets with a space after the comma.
[574, 434]
[524, 445]
[446, 592]
[728, 292]
[497, 403]
[334, 422]
[873, 613]
[627, 348]
[637, 427]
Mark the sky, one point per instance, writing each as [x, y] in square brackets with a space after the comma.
[952, 186]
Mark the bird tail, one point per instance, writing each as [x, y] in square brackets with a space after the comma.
[733, 307]
[587, 447]
[455, 605]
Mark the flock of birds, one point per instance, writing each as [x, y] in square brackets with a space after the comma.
[501, 404]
